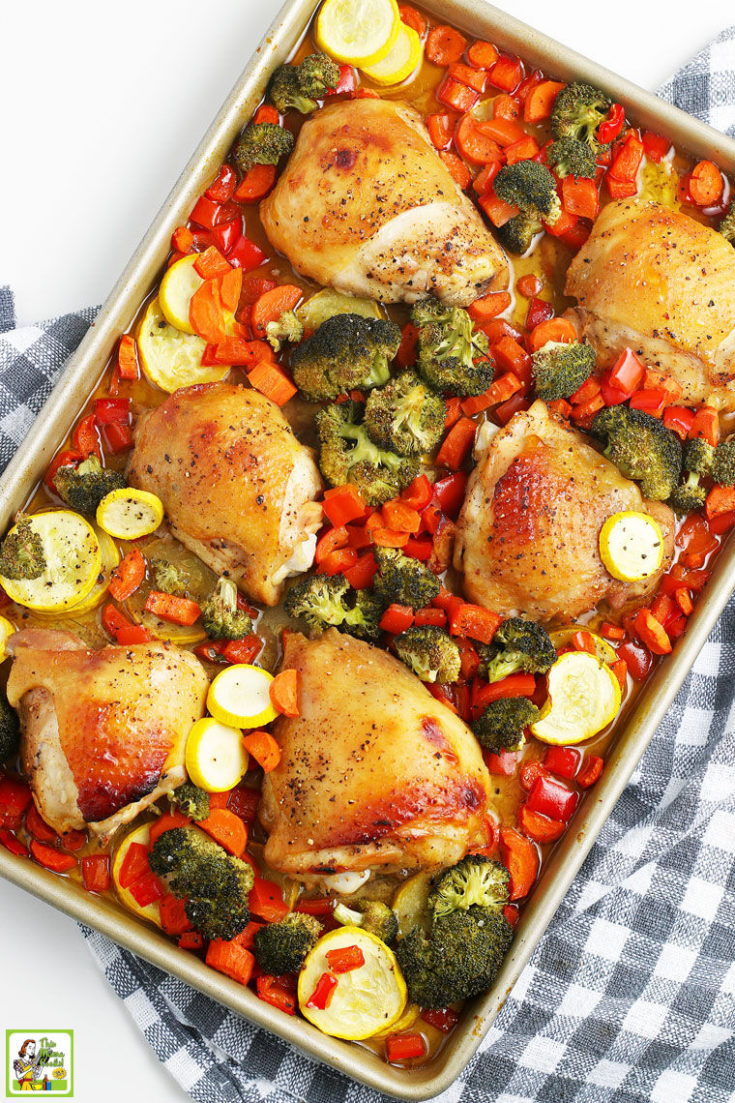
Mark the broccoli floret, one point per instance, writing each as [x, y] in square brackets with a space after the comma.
[452, 356]
[285, 91]
[262, 144]
[517, 234]
[502, 725]
[170, 578]
[642, 448]
[21, 553]
[191, 800]
[282, 947]
[430, 653]
[318, 74]
[723, 464]
[531, 187]
[572, 158]
[727, 225]
[699, 460]
[85, 486]
[221, 618]
[214, 884]
[347, 455]
[373, 916]
[405, 415]
[560, 369]
[475, 880]
[287, 328]
[577, 113]
[460, 958]
[9, 729]
[518, 646]
[347, 352]
[404, 580]
[328, 601]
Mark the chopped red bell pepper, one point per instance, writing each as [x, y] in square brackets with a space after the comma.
[435, 617]
[278, 991]
[474, 621]
[538, 827]
[445, 1019]
[450, 493]
[591, 771]
[638, 659]
[15, 797]
[323, 905]
[245, 254]
[418, 494]
[321, 997]
[363, 572]
[9, 841]
[223, 186]
[397, 618]
[655, 145]
[503, 764]
[191, 940]
[651, 400]
[612, 124]
[679, 420]
[96, 872]
[345, 958]
[146, 890]
[343, 504]
[85, 438]
[404, 1047]
[562, 761]
[457, 444]
[205, 212]
[627, 372]
[515, 685]
[552, 799]
[266, 901]
[520, 858]
[538, 311]
[51, 858]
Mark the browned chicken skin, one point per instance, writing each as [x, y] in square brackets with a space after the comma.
[103, 732]
[237, 486]
[654, 280]
[527, 537]
[375, 773]
[366, 205]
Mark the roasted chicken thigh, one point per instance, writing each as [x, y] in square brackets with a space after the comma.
[527, 536]
[375, 773]
[103, 732]
[654, 280]
[237, 486]
[366, 205]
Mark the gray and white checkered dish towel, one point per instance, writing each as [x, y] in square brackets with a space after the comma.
[630, 996]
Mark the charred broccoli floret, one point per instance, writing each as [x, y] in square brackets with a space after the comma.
[452, 356]
[560, 369]
[473, 881]
[262, 144]
[430, 653]
[502, 725]
[328, 601]
[460, 958]
[347, 455]
[318, 74]
[221, 618]
[373, 916]
[282, 947]
[21, 553]
[191, 800]
[287, 328]
[347, 352]
[727, 225]
[699, 460]
[405, 415]
[215, 884]
[84, 487]
[572, 158]
[9, 729]
[723, 464]
[519, 645]
[577, 113]
[404, 580]
[285, 91]
[642, 448]
[531, 187]
[170, 578]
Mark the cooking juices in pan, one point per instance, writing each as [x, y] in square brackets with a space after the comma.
[483, 109]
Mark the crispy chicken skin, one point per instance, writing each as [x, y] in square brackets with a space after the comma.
[366, 205]
[528, 532]
[103, 732]
[237, 486]
[375, 773]
[654, 280]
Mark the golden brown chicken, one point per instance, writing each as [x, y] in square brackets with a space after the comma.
[237, 486]
[527, 536]
[375, 773]
[103, 732]
[654, 280]
[366, 205]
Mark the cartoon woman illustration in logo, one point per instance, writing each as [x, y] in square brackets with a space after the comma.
[26, 1064]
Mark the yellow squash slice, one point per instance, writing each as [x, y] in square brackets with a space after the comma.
[140, 835]
[365, 1001]
[73, 559]
[177, 287]
[216, 759]
[6, 631]
[562, 637]
[397, 66]
[240, 696]
[631, 546]
[325, 304]
[358, 32]
[128, 514]
[584, 697]
[170, 357]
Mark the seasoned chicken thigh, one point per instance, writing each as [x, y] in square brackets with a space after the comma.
[527, 536]
[366, 205]
[103, 732]
[237, 486]
[375, 773]
[654, 280]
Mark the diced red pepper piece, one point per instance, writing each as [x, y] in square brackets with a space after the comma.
[538, 827]
[96, 872]
[651, 401]
[474, 621]
[506, 73]
[562, 761]
[245, 254]
[638, 659]
[9, 841]
[85, 438]
[503, 764]
[450, 493]
[444, 1019]
[404, 1047]
[435, 617]
[15, 797]
[653, 634]
[520, 858]
[515, 685]
[679, 420]
[396, 618]
[627, 372]
[223, 186]
[173, 915]
[591, 771]
[266, 901]
[146, 890]
[418, 494]
[343, 504]
[456, 95]
[612, 124]
[321, 997]
[655, 145]
[134, 865]
[205, 212]
[457, 444]
[191, 940]
[345, 958]
[552, 799]
[277, 991]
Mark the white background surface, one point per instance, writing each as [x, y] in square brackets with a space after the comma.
[102, 105]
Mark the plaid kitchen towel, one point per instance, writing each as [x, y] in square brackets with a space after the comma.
[630, 996]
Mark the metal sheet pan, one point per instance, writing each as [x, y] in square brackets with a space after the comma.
[77, 382]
